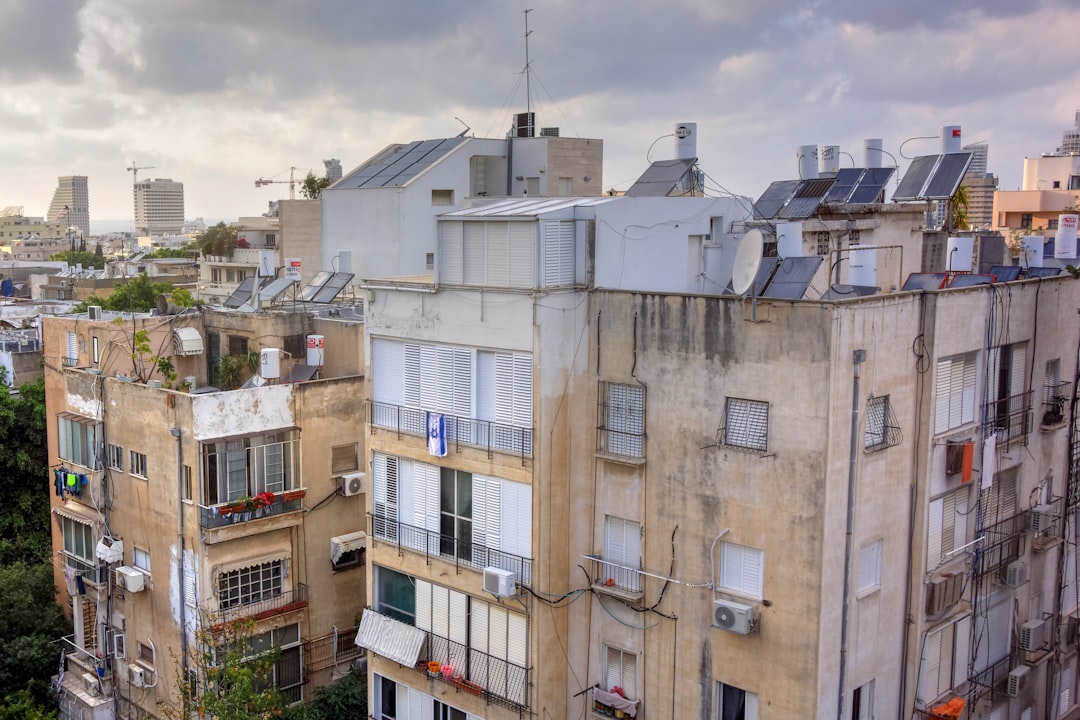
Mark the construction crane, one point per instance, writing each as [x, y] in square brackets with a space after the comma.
[292, 182]
[135, 169]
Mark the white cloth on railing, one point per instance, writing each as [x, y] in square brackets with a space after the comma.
[616, 701]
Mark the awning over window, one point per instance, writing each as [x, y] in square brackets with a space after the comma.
[78, 512]
[187, 341]
[346, 543]
[392, 639]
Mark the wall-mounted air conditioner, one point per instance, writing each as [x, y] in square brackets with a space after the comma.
[1017, 680]
[1032, 634]
[734, 617]
[1042, 519]
[90, 684]
[130, 579]
[352, 483]
[1016, 574]
[137, 676]
[943, 592]
[499, 582]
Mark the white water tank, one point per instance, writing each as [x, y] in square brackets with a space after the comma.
[686, 141]
[1065, 240]
[1031, 251]
[270, 363]
[862, 266]
[806, 159]
[789, 241]
[872, 153]
[829, 157]
[191, 381]
[950, 139]
[960, 254]
[315, 345]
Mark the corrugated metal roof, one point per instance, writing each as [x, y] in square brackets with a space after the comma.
[390, 638]
[527, 207]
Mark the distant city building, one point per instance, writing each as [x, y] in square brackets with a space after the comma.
[979, 152]
[333, 169]
[1070, 139]
[14, 225]
[159, 206]
[70, 204]
[981, 186]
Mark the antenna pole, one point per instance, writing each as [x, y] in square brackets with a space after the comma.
[528, 86]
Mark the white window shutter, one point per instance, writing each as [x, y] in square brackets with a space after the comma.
[869, 570]
[751, 711]
[516, 535]
[961, 650]
[931, 667]
[442, 372]
[428, 377]
[948, 524]
[933, 532]
[451, 259]
[741, 569]
[459, 617]
[558, 253]
[411, 376]
[485, 385]
[993, 371]
[504, 388]
[1018, 372]
[72, 346]
[387, 361]
[942, 395]
[478, 626]
[492, 511]
[474, 266]
[968, 390]
[517, 640]
[462, 405]
[523, 390]
[522, 248]
[426, 482]
[423, 605]
[440, 610]
[498, 254]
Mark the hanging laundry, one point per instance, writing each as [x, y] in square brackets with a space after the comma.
[79, 584]
[58, 482]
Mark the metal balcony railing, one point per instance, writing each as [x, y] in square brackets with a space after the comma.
[264, 607]
[1002, 543]
[89, 571]
[1009, 418]
[496, 680]
[470, 432]
[614, 576]
[215, 516]
[432, 544]
[1055, 403]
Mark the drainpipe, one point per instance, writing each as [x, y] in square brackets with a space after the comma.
[858, 357]
[180, 553]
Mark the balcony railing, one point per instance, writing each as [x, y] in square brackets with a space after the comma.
[215, 516]
[496, 680]
[89, 571]
[337, 648]
[470, 432]
[264, 607]
[1055, 403]
[622, 579]
[432, 544]
[1002, 543]
[1009, 418]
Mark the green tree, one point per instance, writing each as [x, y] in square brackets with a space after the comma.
[347, 698]
[74, 257]
[174, 253]
[138, 294]
[218, 239]
[24, 476]
[98, 252]
[958, 210]
[30, 623]
[312, 187]
[22, 706]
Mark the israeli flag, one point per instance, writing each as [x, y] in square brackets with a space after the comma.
[436, 434]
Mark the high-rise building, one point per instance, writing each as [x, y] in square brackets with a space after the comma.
[70, 204]
[981, 186]
[333, 169]
[1070, 139]
[159, 206]
[979, 152]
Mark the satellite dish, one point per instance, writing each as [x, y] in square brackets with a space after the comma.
[747, 261]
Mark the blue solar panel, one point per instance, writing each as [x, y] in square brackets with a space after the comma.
[871, 185]
[1005, 273]
[1043, 272]
[970, 280]
[846, 181]
[807, 198]
[793, 277]
[947, 176]
[774, 198]
[911, 185]
[924, 281]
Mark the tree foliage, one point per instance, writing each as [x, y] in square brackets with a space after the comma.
[30, 623]
[347, 698]
[312, 186]
[218, 240]
[24, 476]
[138, 294]
[959, 207]
[193, 252]
[74, 257]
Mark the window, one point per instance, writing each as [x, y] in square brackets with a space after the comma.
[862, 702]
[954, 388]
[429, 261]
[387, 698]
[238, 345]
[622, 419]
[945, 655]
[1006, 412]
[78, 439]
[78, 542]
[1052, 224]
[246, 467]
[141, 558]
[741, 569]
[620, 671]
[138, 464]
[882, 430]
[71, 357]
[215, 275]
[733, 703]
[97, 350]
[230, 276]
[1025, 220]
[999, 500]
[187, 482]
[746, 424]
[395, 595]
[286, 674]
[343, 459]
[491, 253]
[566, 186]
[622, 554]
[1056, 184]
[946, 526]
[870, 566]
[271, 240]
[251, 584]
[115, 457]
[455, 514]
[146, 654]
[442, 197]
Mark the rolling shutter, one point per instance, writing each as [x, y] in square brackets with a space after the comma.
[387, 362]
[522, 243]
[487, 512]
[474, 263]
[384, 471]
[498, 254]
[558, 253]
[451, 258]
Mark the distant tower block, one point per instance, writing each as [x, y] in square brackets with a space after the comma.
[333, 169]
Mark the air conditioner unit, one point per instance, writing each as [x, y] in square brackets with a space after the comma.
[1017, 680]
[1032, 634]
[499, 582]
[130, 579]
[90, 684]
[1042, 519]
[734, 617]
[137, 676]
[1016, 574]
[352, 483]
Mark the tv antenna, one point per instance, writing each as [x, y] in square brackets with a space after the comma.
[528, 62]
[747, 262]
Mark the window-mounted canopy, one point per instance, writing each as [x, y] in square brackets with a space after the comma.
[187, 341]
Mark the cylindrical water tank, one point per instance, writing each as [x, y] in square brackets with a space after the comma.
[960, 254]
[686, 141]
[315, 350]
[862, 266]
[1065, 240]
[789, 240]
[270, 363]
[872, 152]
[829, 159]
[191, 381]
[1031, 251]
[807, 162]
[950, 139]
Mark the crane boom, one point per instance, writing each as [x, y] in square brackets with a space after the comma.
[135, 169]
[292, 182]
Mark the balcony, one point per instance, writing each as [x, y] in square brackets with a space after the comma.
[431, 544]
[460, 431]
[222, 514]
[96, 573]
[1002, 543]
[495, 680]
[614, 579]
[263, 608]
[1055, 405]
[1009, 418]
[80, 694]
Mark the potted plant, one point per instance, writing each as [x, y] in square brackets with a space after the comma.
[433, 668]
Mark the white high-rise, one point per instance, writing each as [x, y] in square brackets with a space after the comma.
[159, 206]
[70, 204]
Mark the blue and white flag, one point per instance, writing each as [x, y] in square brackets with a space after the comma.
[436, 434]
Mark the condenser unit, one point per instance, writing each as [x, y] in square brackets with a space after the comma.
[1032, 635]
[352, 484]
[499, 582]
[734, 617]
[90, 684]
[1042, 519]
[137, 676]
[131, 579]
[1017, 680]
[1016, 574]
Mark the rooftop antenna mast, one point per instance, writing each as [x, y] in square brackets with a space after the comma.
[528, 85]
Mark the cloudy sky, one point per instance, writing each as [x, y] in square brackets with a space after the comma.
[217, 93]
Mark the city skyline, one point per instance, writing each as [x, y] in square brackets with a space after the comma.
[218, 96]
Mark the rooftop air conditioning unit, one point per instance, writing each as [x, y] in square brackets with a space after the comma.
[1032, 635]
[137, 676]
[1017, 680]
[499, 582]
[131, 579]
[1016, 574]
[90, 684]
[1042, 519]
[734, 617]
[352, 483]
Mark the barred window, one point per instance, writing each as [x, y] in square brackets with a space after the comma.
[251, 584]
[882, 430]
[622, 419]
[746, 424]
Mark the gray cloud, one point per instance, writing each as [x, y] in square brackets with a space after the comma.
[39, 39]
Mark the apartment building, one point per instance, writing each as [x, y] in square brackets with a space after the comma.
[179, 506]
[256, 259]
[159, 206]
